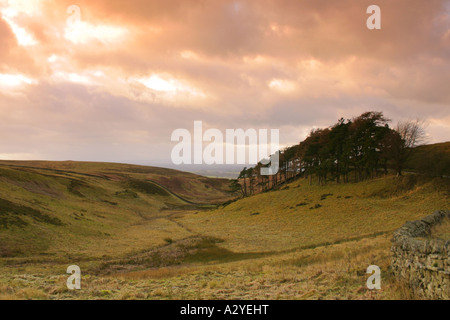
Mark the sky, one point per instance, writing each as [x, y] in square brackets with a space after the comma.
[113, 82]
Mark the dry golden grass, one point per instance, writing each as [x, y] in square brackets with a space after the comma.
[283, 222]
[329, 272]
[288, 244]
[442, 231]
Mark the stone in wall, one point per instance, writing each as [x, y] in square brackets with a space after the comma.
[423, 263]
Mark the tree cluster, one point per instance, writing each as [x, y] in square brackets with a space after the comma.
[350, 150]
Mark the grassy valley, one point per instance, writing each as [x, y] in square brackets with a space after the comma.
[48, 207]
[151, 233]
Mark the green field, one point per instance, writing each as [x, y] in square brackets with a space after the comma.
[151, 233]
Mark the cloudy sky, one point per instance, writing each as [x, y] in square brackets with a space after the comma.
[114, 84]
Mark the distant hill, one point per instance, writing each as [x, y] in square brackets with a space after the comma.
[49, 205]
[190, 186]
[433, 159]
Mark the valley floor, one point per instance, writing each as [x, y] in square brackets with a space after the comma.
[328, 272]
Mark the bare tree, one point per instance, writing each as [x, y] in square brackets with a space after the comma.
[407, 135]
[412, 132]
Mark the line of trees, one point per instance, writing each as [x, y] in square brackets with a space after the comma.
[351, 150]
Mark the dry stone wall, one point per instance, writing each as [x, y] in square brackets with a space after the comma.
[422, 261]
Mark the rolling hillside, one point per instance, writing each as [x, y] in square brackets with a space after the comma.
[433, 159]
[136, 233]
[47, 206]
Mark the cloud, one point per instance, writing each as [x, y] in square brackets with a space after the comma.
[120, 80]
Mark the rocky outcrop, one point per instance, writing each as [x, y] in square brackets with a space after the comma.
[422, 261]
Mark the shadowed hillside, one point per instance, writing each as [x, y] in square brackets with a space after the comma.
[187, 185]
[49, 205]
[431, 159]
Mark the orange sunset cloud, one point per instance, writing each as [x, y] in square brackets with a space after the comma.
[111, 81]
